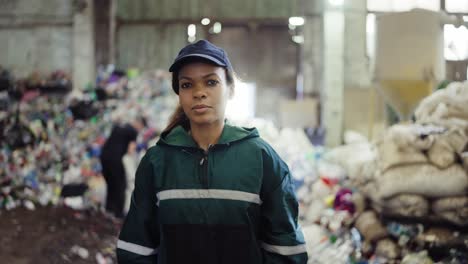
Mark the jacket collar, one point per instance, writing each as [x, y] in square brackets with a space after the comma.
[179, 137]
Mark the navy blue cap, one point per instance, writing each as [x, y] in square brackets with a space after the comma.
[202, 49]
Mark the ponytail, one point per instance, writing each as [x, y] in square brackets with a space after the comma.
[178, 118]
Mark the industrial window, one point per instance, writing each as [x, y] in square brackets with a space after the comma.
[456, 6]
[403, 5]
[370, 36]
[455, 43]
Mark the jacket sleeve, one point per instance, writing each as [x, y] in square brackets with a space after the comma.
[139, 238]
[281, 235]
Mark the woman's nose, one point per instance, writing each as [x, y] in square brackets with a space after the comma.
[199, 92]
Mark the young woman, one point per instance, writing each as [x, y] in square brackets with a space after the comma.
[209, 192]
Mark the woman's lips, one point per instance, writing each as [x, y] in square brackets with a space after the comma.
[200, 109]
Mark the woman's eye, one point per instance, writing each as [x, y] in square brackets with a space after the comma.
[185, 85]
[212, 82]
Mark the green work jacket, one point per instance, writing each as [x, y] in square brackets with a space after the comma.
[234, 203]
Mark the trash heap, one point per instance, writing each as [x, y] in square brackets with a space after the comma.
[329, 210]
[64, 139]
[294, 147]
[150, 94]
[407, 192]
[325, 225]
[402, 199]
[422, 175]
[32, 154]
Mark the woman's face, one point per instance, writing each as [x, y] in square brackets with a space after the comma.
[203, 93]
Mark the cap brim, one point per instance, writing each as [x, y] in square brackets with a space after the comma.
[180, 60]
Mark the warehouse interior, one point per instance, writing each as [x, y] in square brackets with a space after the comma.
[365, 100]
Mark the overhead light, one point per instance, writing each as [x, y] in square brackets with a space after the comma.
[296, 21]
[191, 39]
[336, 2]
[191, 30]
[217, 27]
[465, 18]
[205, 21]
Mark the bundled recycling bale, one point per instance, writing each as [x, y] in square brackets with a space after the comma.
[371, 191]
[425, 179]
[359, 201]
[447, 147]
[370, 227]
[406, 205]
[410, 136]
[445, 107]
[404, 144]
[458, 139]
[441, 154]
[453, 209]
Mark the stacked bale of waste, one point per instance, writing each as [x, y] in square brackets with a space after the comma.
[414, 179]
[421, 177]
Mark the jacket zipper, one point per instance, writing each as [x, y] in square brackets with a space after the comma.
[204, 176]
[204, 164]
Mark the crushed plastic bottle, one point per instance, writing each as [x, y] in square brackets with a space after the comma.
[29, 205]
[80, 251]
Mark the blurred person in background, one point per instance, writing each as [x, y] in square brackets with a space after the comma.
[122, 140]
[210, 192]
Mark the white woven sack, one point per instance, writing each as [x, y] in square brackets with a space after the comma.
[444, 104]
[390, 155]
[425, 179]
[441, 154]
[453, 209]
[370, 227]
[406, 144]
[450, 203]
[407, 205]
[409, 136]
